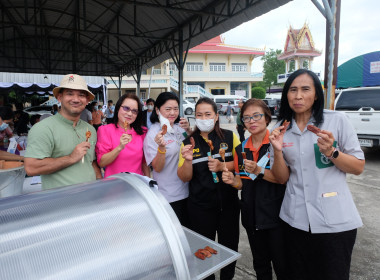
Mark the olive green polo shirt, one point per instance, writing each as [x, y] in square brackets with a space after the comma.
[56, 137]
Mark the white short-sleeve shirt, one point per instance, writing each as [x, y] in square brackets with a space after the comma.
[317, 193]
[172, 187]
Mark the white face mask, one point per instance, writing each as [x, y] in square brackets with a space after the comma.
[150, 107]
[163, 121]
[205, 125]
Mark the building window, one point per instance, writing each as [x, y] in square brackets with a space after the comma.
[172, 67]
[218, 67]
[194, 66]
[239, 88]
[239, 67]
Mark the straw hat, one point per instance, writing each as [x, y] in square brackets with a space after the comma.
[73, 81]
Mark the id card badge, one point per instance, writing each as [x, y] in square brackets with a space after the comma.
[321, 161]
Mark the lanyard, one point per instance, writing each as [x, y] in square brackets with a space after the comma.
[262, 162]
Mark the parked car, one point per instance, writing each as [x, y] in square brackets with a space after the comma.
[274, 106]
[223, 101]
[39, 110]
[362, 107]
[188, 107]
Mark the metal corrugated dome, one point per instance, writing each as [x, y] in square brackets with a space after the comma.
[111, 38]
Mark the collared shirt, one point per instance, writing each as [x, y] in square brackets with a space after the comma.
[317, 193]
[148, 122]
[130, 159]
[108, 112]
[56, 137]
[172, 187]
[255, 151]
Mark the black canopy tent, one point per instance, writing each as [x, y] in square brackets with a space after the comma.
[112, 37]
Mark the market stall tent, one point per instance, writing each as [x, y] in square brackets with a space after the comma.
[361, 71]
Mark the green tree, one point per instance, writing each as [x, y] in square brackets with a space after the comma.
[272, 67]
[305, 64]
[258, 92]
[292, 66]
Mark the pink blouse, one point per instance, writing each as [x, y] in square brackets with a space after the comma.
[130, 159]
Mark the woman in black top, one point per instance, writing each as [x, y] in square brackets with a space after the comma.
[213, 205]
[261, 196]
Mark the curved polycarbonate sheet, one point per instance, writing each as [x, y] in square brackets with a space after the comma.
[100, 230]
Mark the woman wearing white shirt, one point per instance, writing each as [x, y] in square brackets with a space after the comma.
[162, 152]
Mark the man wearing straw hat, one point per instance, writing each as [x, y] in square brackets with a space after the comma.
[58, 148]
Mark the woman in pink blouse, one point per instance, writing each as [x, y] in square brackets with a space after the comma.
[120, 144]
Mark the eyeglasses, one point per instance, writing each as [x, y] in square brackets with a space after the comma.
[127, 109]
[255, 117]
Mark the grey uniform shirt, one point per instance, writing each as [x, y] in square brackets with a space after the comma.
[169, 184]
[317, 193]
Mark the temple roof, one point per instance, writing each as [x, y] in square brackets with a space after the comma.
[299, 42]
[217, 45]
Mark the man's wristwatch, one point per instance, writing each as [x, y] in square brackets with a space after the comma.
[334, 154]
[261, 174]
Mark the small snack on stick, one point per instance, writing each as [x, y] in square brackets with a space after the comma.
[164, 129]
[244, 155]
[209, 142]
[88, 136]
[313, 129]
[285, 124]
[126, 123]
[222, 154]
[192, 142]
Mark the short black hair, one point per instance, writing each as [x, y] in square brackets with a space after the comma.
[161, 100]
[110, 101]
[34, 118]
[6, 113]
[286, 113]
[150, 100]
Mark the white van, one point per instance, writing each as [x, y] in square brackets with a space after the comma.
[223, 100]
[362, 107]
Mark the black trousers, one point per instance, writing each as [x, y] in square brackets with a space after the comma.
[180, 209]
[240, 130]
[268, 247]
[109, 120]
[319, 256]
[225, 223]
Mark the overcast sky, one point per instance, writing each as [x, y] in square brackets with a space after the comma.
[359, 29]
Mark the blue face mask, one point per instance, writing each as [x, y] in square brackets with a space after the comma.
[4, 126]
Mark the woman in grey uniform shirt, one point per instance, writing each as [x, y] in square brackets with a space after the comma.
[320, 215]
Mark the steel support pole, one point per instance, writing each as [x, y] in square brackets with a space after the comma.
[180, 71]
[331, 12]
[120, 79]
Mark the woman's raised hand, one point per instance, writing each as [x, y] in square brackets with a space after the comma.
[276, 138]
[187, 152]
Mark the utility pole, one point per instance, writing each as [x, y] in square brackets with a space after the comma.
[331, 11]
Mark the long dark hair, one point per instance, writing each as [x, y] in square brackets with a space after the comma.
[218, 130]
[137, 124]
[286, 113]
[258, 103]
[161, 100]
